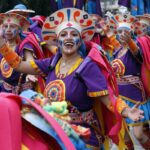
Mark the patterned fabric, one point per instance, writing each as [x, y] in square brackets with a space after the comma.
[55, 91]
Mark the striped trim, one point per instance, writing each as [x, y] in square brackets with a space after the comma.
[33, 65]
[96, 94]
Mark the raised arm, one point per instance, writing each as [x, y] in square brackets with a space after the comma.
[14, 60]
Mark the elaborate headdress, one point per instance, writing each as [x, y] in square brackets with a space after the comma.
[20, 8]
[16, 19]
[121, 21]
[64, 18]
[143, 21]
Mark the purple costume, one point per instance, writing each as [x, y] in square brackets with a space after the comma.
[130, 85]
[35, 28]
[10, 78]
[78, 92]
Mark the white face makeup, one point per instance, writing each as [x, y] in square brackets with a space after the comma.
[69, 40]
[10, 31]
[121, 32]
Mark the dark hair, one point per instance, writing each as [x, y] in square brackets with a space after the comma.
[82, 50]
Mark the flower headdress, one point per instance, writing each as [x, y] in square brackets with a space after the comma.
[120, 21]
[16, 19]
[64, 18]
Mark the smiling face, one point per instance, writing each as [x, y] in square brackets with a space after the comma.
[69, 41]
[10, 31]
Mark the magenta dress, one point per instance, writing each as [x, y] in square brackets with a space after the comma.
[78, 92]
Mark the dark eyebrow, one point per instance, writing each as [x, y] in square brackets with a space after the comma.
[74, 32]
[63, 31]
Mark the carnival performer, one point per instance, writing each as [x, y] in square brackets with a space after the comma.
[35, 23]
[78, 79]
[142, 31]
[12, 27]
[103, 36]
[127, 64]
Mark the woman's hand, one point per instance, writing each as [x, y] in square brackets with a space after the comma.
[133, 113]
[31, 78]
[126, 37]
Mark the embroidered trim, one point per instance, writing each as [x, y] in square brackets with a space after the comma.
[133, 80]
[96, 94]
[6, 69]
[88, 118]
[74, 67]
[55, 91]
[33, 65]
[125, 80]
[14, 89]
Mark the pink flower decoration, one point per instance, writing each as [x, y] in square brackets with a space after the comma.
[69, 24]
[56, 22]
[8, 20]
[81, 21]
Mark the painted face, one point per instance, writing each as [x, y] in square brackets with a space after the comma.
[69, 40]
[121, 32]
[10, 31]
